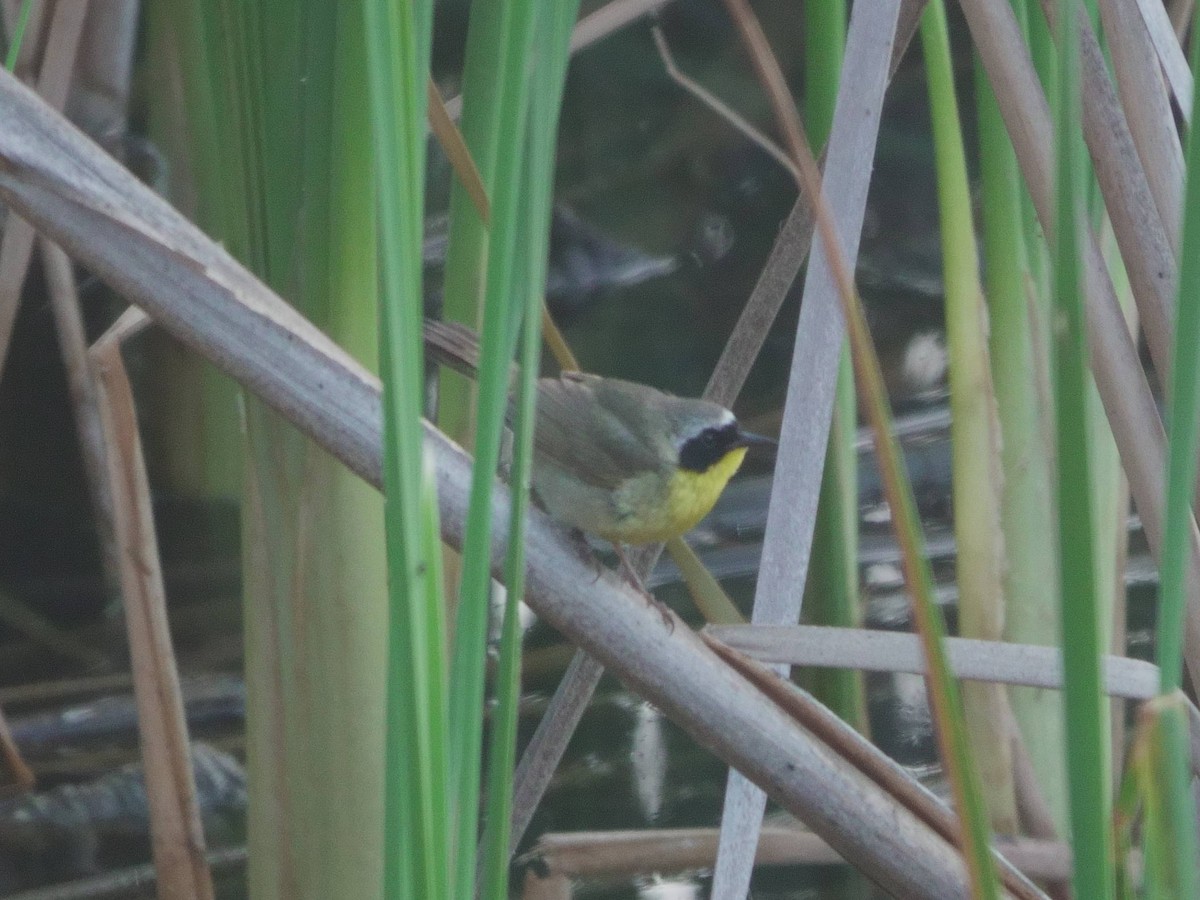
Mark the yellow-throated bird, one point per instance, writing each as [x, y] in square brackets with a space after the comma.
[617, 459]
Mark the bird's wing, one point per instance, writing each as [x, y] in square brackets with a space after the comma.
[579, 433]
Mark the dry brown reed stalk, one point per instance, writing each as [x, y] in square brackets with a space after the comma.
[85, 397]
[887, 651]
[609, 18]
[16, 246]
[455, 148]
[1147, 107]
[546, 747]
[1016, 664]
[23, 778]
[787, 255]
[1169, 33]
[177, 837]
[722, 109]
[628, 854]
[1146, 241]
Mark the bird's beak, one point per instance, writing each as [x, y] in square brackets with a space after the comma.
[750, 439]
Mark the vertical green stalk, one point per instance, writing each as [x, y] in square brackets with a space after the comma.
[1087, 743]
[1171, 845]
[277, 129]
[825, 31]
[1183, 432]
[1110, 496]
[503, 756]
[832, 591]
[975, 437]
[467, 252]
[1045, 61]
[416, 807]
[1169, 834]
[546, 82]
[501, 314]
[192, 423]
[1019, 367]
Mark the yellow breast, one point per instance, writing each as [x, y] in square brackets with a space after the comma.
[687, 499]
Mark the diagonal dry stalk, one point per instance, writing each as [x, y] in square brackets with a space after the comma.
[837, 233]
[719, 107]
[85, 399]
[1147, 107]
[1168, 25]
[455, 148]
[16, 246]
[133, 239]
[1148, 243]
[177, 838]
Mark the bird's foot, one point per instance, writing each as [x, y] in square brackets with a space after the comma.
[634, 580]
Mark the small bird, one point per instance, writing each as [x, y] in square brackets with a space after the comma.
[630, 463]
[616, 459]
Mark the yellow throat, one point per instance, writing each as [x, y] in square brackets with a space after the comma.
[689, 497]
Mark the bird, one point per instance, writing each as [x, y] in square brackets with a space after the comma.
[620, 460]
[630, 463]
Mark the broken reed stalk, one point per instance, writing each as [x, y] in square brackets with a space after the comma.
[16, 245]
[177, 837]
[662, 851]
[85, 397]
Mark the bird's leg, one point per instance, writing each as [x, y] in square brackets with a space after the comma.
[632, 577]
[579, 539]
